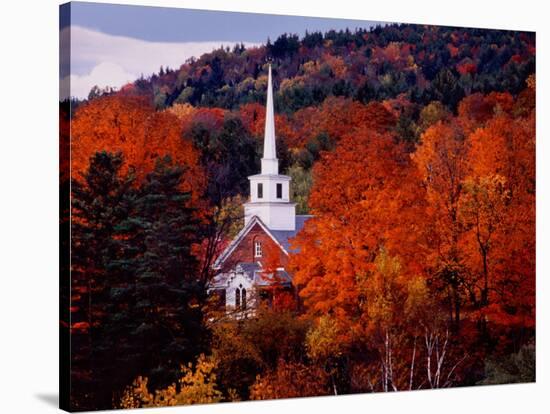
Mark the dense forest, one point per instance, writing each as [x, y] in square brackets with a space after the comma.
[423, 63]
[414, 149]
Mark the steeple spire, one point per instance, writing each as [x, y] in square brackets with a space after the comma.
[270, 164]
[270, 191]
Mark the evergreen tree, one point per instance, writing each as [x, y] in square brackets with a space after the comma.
[229, 156]
[446, 89]
[134, 280]
[164, 320]
[96, 210]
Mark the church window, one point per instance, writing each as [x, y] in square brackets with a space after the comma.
[237, 298]
[260, 190]
[243, 300]
[279, 190]
[257, 249]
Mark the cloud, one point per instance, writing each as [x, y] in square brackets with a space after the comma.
[106, 60]
[104, 74]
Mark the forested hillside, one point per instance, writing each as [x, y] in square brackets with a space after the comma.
[424, 63]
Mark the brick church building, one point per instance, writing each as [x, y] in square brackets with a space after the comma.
[270, 221]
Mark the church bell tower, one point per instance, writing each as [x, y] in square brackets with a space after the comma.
[269, 190]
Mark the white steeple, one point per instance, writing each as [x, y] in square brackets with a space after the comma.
[270, 191]
[270, 164]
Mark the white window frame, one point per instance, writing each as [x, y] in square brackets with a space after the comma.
[257, 248]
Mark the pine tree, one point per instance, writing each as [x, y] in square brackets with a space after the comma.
[135, 281]
[96, 209]
[164, 315]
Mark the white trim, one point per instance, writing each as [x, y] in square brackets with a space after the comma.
[235, 242]
[265, 203]
[272, 177]
[258, 248]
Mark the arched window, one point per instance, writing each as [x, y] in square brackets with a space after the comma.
[257, 248]
[237, 298]
[243, 301]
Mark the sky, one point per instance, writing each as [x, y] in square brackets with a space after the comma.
[111, 45]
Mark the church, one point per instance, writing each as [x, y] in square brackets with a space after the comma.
[243, 277]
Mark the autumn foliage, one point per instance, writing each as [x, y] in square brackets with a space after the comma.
[407, 247]
[415, 271]
[130, 126]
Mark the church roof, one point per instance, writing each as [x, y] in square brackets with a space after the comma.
[281, 237]
[284, 236]
[238, 238]
[253, 272]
